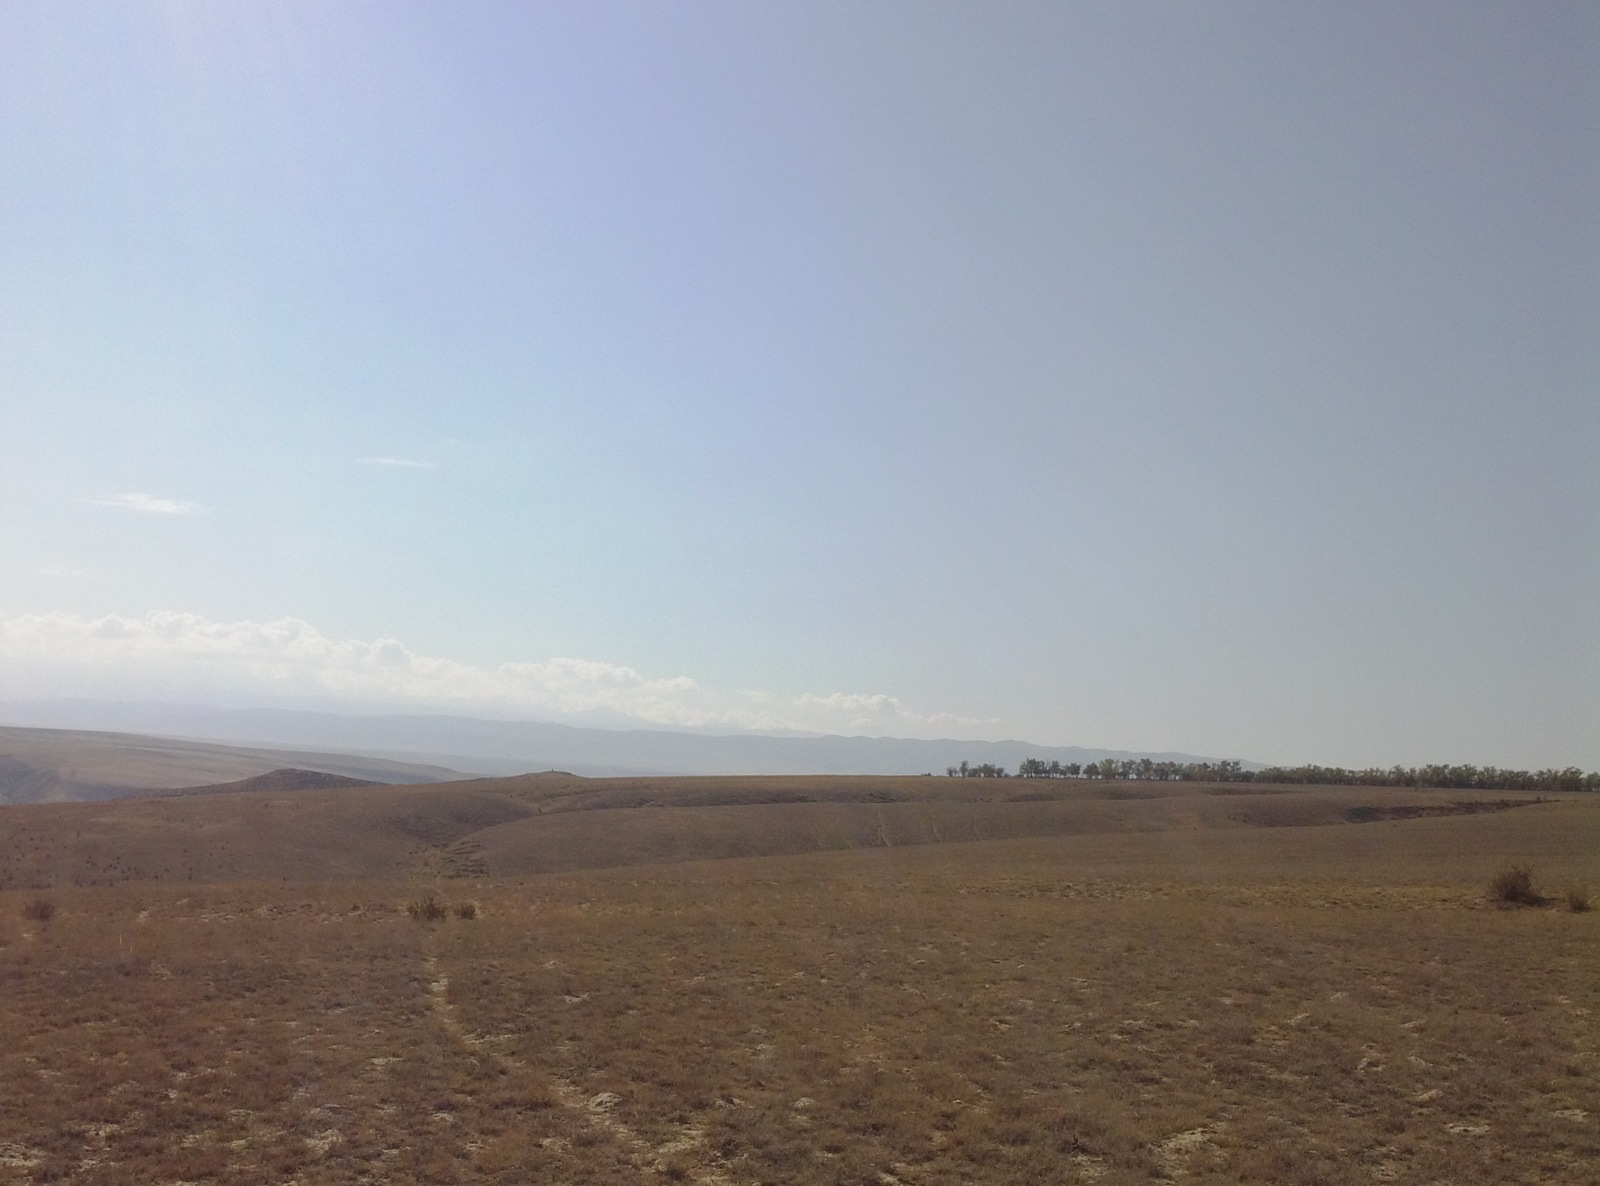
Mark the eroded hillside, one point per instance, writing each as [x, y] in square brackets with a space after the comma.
[554, 822]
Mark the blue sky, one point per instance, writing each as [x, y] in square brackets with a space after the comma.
[1209, 377]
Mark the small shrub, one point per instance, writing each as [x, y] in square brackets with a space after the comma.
[1576, 899]
[466, 910]
[427, 908]
[1513, 885]
[39, 910]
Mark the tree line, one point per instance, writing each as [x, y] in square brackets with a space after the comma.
[1478, 778]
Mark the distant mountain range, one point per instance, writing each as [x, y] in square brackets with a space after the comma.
[73, 765]
[481, 746]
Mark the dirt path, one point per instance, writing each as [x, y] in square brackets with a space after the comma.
[598, 1111]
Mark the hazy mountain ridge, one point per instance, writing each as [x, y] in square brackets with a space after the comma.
[511, 747]
[65, 765]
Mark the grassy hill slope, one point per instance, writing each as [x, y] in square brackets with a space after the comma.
[1138, 984]
[554, 822]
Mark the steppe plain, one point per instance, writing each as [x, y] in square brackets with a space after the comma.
[798, 980]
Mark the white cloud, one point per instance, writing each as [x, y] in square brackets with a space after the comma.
[68, 654]
[146, 503]
[855, 712]
[400, 462]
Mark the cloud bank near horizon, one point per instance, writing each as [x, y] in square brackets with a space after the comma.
[57, 654]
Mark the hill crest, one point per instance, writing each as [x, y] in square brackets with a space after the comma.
[285, 778]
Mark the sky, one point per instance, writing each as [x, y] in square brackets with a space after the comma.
[1211, 377]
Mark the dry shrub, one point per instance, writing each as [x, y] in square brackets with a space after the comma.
[1514, 886]
[39, 910]
[1576, 899]
[467, 910]
[674, 1168]
[427, 908]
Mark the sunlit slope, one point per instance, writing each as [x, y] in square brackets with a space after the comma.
[303, 835]
[1063, 1009]
[556, 823]
[645, 821]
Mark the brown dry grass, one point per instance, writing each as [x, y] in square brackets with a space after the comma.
[295, 836]
[1185, 996]
[1513, 886]
[547, 823]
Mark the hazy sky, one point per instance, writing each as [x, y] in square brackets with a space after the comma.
[1204, 376]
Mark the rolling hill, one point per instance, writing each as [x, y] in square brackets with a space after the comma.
[557, 822]
[56, 765]
[731, 981]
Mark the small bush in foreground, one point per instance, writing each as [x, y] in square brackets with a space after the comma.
[1513, 885]
[466, 910]
[1576, 899]
[427, 908]
[39, 910]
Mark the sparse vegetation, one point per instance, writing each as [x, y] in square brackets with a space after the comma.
[1513, 886]
[39, 909]
[1576, 899]
[427, 908]
[1144, 987]
[467, 910]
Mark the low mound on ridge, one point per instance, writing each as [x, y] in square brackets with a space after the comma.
[289, 778]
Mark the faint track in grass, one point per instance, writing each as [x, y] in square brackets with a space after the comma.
[594, 1110]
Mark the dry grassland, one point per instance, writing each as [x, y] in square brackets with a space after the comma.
[1206, 989]
[550, 823]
